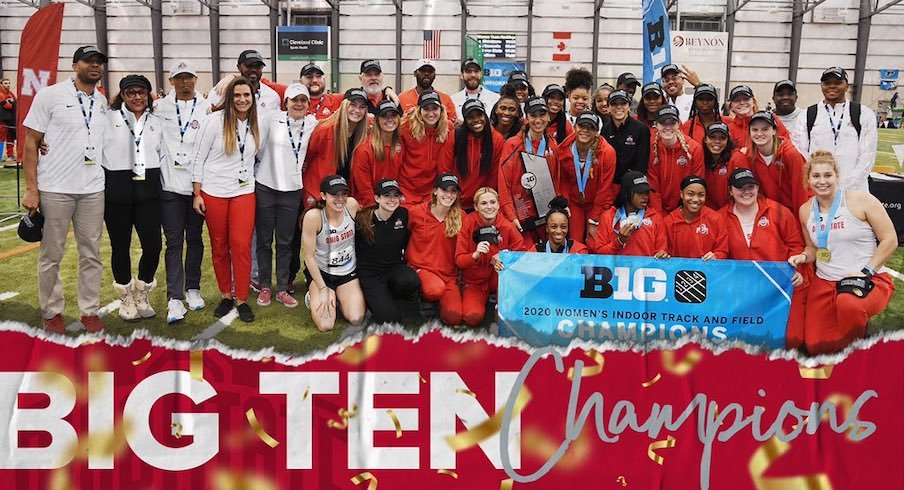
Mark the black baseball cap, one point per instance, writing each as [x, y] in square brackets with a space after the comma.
[634, 181]
[472, 105]
[486, 234]
[718, 127]
[652, 87]
[740, 91]
[427, 98]
[470, 62]
[333, 184]
[534, 105]
[784, 84]
[444, 181]
[835, 71]
[311, 67]
[553, 88]
[668, 112]
[134, 81]
[764, 116]
[355, 93]
[519, 77]
[619, 95]
[385, 186]
[31, 227]
[706, 89]
[589, 118]
[627, 79]
[370, 65]
[86, 52]
[670, 68]
[250, 57]
[741, 177]
[692, 179]
[388, 106]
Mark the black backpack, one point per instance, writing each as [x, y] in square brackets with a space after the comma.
[811, 119]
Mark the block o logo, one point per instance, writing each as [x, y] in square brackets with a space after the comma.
[690, 286]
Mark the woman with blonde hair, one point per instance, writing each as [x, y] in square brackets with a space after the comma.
[743, 105]
[776, 162]
[673, 156]
[850, 237]
[427, 147]
[223, 183]
[380, 157]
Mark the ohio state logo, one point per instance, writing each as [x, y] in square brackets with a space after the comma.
[682, 161]
[647, 222]
[195, 124]
[764, 222]
[723, 170]
[703, 229]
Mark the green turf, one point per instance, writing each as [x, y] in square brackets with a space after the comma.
[884, 154]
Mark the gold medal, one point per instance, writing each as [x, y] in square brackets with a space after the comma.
[823, 255]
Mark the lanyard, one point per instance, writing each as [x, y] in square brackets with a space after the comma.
[135, 139]
[184, 129]
[564, 247]
[242, 141]
[529, 145]
[319, 103]
[582, 175]
[822, 230]
[90, 114]
[836, 129]
[477, 96]
[620, 215]
[295, 150]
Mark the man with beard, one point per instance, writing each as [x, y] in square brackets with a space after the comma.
[784, 96]
[424, 75]
[251, 66]
[67, 184]
[321, 104]
[845, 129]
[628, 83]
[472, 75]
[673, 83]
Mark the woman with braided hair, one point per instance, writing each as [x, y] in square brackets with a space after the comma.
[673, 157]
[578, 89]
[704, 111]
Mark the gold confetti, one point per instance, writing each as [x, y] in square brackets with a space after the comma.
[588, 371]
[196, 364]
[506, 484]
[307, 391]
[466, 392]
[419, 375]
[178, 432]
[354, 355]
[622, 480]
[821, 372]
[765, 455]
[142, 360]
[267, 359]
[684, 366]
[470, 438]
[106, 443]
[344, 416]
[652, 381]
[363, 477]
[59, 480]
[267, 438]
[663, 444]
[537, 443]
[448, 472]
[395, 421]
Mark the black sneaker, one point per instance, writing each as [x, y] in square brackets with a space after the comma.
[245, 313]
[225, 306]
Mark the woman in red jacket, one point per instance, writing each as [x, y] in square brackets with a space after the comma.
[514, 183]
[694, 230]
[720, 157]
[630, 226]
[506, 116]
[380, 157]
[559, 126]
[743, 106]
[478, 150]
[651, 101]
[333, 144]
[587, 167]
[557, 240]
[435, 227]
[704, 111]
[776, 162]
[672, 157]
[483, 234]
[762, 229]
[427, 147]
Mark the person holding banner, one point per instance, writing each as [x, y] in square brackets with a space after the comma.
[762, 229]
[133, 153]
[776, 162]
[842, 298]
[557, 241]
[720, 157]
[629, 137]
[333, 143]
[223, 182]
[694, 230]
[673, 157]
[478, 151]
[587, 165]
[427, 147]
[743, 106]
[434, 229]
[380, 157]
[506, 116]
[483, 234]
[704, 111]
[630, 226]
[529, 173]
[651, 100]
[559, 125]
[578, 87]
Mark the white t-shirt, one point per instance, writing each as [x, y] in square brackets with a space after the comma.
[57, 112]
[279, 168]
[219, 174]
[485, 95]
[790, 120]
[119, 142]
[180, 144]
[683, 102]
[267, 100]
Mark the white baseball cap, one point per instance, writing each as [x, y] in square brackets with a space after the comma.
[182, 66]
[424, 62]
[296, 89]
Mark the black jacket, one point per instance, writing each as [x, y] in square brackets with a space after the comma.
[631, 142]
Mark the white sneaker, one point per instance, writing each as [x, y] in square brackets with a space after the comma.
[194, 299]
[175, 311]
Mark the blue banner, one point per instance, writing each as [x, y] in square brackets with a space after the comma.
[657, 52]
[547, 298]
[888, 74]
[496, 73]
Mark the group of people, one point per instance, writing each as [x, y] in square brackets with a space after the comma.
[385, 197]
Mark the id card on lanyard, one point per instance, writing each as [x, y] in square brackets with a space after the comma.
[138, 165]
[244, 173]
[90, 150]
[295, 149]
[181, 159]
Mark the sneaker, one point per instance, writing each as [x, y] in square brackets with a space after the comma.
[290, 288]
[92, 323]
[55, 324]
[307, 300]
[245, 313]
[225, 306]
[256, 286]
[286, 299]
[175, 311]
[263, 298]
[195, 301]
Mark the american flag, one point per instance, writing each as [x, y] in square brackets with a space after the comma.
[431, 44]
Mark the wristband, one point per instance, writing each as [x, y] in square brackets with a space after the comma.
[869, 271]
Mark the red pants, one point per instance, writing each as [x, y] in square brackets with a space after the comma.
[794, 332]
[434, 289]
[474, 300]
[835, 320]
[5, 134]
[230, 222]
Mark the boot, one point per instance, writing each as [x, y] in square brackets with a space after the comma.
[127, 309]
[142, 290]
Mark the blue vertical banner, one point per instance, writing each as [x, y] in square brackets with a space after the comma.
[657, 52]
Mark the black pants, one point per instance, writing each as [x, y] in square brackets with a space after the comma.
[181, 225]
[295, 260]
[382, 289]
[277, 214]
[133, 204]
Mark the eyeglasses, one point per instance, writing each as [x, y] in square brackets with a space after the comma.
[135, 93]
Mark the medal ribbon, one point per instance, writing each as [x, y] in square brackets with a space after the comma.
[564, 249]
[582, 175]
[823, 228]
[620, 214]
[529, 145]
